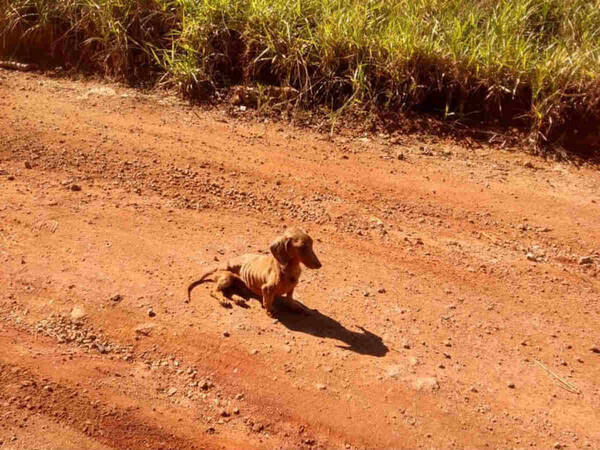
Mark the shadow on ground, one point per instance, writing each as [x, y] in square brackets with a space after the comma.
[320, 325]
[316, 324]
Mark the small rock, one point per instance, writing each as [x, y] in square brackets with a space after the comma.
[413, 361]
[531, 257]
[117, 298]
[406, 344]
[78, 312]
[400, 156]
[366, 294]
[27, 165]
[171, 391]
[226, 333]
[151, 313]
[75, 188]
[320, 386]
[10, 178]
[145, 329]
[558, 445]
[224, 413]
[474, 389]
[205, 385]
[447, 343]
[511, 385]
[236, 411]
[394, 371]
[254, 352]
[287, 348]
[426, 384]
[595, 349]
[381, 290]
[586, 260]
[48, 388]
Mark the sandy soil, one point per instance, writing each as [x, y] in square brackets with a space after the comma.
[457, 306]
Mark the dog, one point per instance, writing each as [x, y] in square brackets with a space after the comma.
[266, 276]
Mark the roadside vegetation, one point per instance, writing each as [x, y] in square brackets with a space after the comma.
[530, 63]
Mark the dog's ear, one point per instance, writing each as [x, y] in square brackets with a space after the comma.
[280, 249]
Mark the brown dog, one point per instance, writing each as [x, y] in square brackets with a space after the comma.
[267, 276]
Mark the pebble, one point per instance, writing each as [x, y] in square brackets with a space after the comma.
[145, 329]
[426, 384]
[224, 413]
[406, 344]
[75, 188]
[226, 333]
[171, 391]
[531, 257]
[586, 260]
[511, 385]
[78, 312]
[27, 165]
[394, 371]
[254, 352]
[320, 386]
[117, 298]
[205, 385]
[151, 313]
[595, 349]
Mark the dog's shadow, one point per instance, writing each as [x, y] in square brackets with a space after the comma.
[313, 322]
[318, 324]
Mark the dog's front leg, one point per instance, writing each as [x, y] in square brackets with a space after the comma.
[268, 297]
[293, 304]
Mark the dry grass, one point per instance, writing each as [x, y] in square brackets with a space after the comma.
[529, 62]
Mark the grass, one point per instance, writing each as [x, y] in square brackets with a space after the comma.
[534, 63]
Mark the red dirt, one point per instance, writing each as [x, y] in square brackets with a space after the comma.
[425, 276]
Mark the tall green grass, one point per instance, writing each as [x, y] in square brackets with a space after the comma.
[532, 62]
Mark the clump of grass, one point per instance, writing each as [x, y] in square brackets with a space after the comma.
[114, 37]
[535, 63]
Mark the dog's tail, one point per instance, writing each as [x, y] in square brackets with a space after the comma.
[200, 280]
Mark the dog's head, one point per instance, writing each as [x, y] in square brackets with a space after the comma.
[295, 245]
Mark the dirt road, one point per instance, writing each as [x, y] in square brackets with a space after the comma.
[458, 284]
